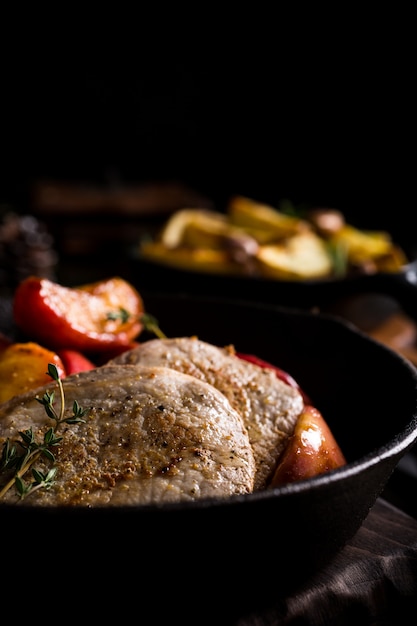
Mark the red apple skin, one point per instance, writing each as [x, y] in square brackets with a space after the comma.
[77, 317]
[280, 373]
[74, 361]
[311, 450]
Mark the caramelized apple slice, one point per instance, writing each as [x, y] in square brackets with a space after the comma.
[24, 366]
[311, 450]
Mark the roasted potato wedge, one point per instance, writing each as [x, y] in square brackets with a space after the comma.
[199, 228]
[252, 238]
[365, 247]
[194, 228]
[192, 259]
[301, 257]
[249, 214]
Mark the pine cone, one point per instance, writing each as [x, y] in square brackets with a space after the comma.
[26, 248]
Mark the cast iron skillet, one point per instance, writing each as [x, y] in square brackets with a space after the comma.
[247, 548]
[322, 294]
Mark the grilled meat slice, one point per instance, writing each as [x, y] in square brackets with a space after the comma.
[268, 406]
[152, 435]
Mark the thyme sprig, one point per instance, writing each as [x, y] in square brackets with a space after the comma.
[31, 450]
[150, 323]
[21, 461]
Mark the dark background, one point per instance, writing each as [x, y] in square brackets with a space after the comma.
[321, 115]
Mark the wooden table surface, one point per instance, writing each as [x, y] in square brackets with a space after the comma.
[373, 580]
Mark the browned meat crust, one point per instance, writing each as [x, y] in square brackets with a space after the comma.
[268, 406]
[152, 435]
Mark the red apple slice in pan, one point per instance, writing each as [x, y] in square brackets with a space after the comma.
[311, 450]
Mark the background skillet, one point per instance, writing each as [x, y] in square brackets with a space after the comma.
[308, 294]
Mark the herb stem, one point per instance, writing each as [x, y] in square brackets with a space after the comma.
[31, 460]
[150, 324]
[61, 393]
[34, 450]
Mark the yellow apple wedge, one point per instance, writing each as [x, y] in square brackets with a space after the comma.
[24, 366]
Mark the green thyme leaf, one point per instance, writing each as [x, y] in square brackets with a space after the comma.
[121, 314]
[31, 450]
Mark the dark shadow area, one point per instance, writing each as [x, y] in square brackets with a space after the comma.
[327, 126]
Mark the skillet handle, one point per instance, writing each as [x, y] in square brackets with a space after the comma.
[402, 286]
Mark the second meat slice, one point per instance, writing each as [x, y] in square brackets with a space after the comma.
[269, 407]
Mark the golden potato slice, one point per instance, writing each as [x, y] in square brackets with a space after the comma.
[213, 231]
[301, 257]
[364, 246]
[195, 228]
[198, 228]
[192, 259]
[392, 262]
[249, 214]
